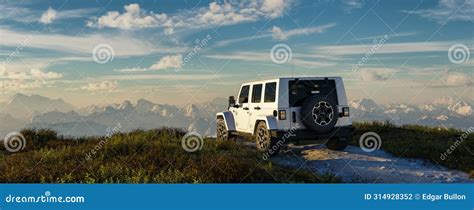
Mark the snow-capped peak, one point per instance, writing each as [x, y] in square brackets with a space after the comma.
[364, 104]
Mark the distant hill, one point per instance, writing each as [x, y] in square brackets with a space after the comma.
[143, 114]
[38, 111]
[24, 106]
[442, 112]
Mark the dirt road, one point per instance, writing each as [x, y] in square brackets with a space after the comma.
[355, 165]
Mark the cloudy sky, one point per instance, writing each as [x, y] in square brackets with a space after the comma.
[100, 52]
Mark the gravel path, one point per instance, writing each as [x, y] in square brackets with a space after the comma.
[355, 165]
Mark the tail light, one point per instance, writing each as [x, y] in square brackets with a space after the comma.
[345, 111]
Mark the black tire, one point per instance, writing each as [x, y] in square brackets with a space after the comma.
[222, 132]
[319, 113]
[337, 144]
[264, 141]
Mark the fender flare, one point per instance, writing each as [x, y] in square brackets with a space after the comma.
[228, 119]
[269, 120]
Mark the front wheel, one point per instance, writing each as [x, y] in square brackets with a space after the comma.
[222, 132]
[337, 144]
[264, 140]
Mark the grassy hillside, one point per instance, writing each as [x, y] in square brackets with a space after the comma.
[413, 141]
[153, 156]
[156, 156]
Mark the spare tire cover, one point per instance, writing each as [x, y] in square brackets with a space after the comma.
[319, 113]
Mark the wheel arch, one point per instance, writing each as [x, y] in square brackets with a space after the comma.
[228, 119]
[270, 121]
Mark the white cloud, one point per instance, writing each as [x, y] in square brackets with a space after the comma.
[229, 13]
[101, 86]
[48, 16]
[164, 77]
[279, 34]
[265, 57]
[457, 79]
[448, 10]
[226, 42]
[123, 45]
[15, 10]
[35, 78]
[36, 73]
[16, 85]
[133, 17]
[169, 61]
[226, 13]
[222, 14]
[33, 74]
[134, 69]
[372, 75]
[393, 35]
[406, 47]
[274, 8]
[350, 5]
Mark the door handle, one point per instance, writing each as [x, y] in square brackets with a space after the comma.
[256, 108]
[245, 108]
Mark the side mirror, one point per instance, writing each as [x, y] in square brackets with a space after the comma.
[231, 101]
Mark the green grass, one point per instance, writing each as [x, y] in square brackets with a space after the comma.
[429, 143]
[156, 156]
[153, 156]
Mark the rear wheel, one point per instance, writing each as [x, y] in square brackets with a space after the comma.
[222, 132]
[337, 144]
[264, 140]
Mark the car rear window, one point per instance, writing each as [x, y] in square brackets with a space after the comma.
[257, 93]
[300, 90]
[270, 92]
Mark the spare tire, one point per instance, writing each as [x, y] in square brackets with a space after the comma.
[319, 113]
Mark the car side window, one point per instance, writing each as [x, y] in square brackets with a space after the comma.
[270, 92]
[244, 94]
[257, 93]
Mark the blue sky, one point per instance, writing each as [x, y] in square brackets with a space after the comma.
[100, 52]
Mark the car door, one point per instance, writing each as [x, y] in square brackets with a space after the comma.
[241, 114]
[255, 105]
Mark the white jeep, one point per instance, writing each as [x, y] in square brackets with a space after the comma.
[283, 110]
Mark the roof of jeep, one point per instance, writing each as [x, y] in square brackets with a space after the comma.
[292, 78]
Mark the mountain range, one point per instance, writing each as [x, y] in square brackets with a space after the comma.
[23, 111]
